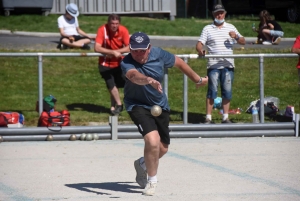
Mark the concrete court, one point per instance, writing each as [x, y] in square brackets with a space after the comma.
[213, 169]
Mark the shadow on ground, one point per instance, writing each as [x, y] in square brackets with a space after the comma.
[87, 107]
[125, 187]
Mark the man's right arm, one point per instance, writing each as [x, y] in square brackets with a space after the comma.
[140, 79]
[199, 48]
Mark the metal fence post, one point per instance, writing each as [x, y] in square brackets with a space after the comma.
[261, 89]
[113, 121]
[185, 96]
[166, 80]
[40, 80]
[297, 119]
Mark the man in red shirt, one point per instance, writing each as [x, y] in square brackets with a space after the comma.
[296, 49]
[112, 40]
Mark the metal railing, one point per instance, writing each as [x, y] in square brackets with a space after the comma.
[185, 80]
[114, 129]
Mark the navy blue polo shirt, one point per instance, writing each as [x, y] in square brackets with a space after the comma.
[145, 95]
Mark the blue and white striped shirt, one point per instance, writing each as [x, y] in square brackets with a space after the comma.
[217, 41]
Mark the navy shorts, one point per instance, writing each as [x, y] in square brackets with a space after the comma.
[146, 123]
[112, 76]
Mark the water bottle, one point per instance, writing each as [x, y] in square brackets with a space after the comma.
[253, 27]
[255, 118]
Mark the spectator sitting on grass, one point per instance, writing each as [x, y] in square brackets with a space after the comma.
[71, 35]
[272, 31]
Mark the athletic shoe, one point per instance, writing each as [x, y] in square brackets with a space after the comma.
[62, 46]
[150, 189]
[86, 47]
[118, 110]
[276, 40]
[226, 121]
[141, 174]
[267, 42]
[208, 121]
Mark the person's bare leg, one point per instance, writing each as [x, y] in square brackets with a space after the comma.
[225, 105]
[114, 92]
[209, 105]
[77, 44]
[267, 34]
[112, 103]
[153, 150]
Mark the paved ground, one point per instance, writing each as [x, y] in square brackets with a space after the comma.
[213, 169]
[49, 41]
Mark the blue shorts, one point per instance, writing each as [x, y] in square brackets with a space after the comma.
[225, 78]
[276, 33]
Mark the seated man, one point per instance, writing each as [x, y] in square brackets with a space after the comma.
[71, 35]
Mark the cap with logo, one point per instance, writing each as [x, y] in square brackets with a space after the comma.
[139, 40]
[218, 7]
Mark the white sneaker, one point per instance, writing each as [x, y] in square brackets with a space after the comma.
[150, 189]
[141, 174]
[276, 41]
[267, 42]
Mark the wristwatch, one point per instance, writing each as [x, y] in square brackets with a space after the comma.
[200, 81]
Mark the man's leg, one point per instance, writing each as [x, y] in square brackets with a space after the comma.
[154, 149]
[78, 44]
[213, 79]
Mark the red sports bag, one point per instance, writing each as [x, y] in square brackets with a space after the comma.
[55, 118]
[3, 121]
[14, 117]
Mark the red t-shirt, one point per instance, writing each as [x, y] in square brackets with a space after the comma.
[297, 45]
[113, 41]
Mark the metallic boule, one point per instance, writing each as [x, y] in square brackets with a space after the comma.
[156, 110]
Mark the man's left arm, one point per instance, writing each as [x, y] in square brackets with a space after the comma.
[186, 69]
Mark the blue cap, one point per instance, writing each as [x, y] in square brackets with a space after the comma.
[72, 9]
[139, 40]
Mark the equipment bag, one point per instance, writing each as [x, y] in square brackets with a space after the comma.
[3, 121]
[14, 117]
[55, 118]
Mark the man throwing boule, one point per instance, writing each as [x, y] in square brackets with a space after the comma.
[144, 69]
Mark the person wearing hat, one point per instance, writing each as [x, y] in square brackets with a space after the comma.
[112, 40]
[219, 38]
[71, 34]
[144, 69]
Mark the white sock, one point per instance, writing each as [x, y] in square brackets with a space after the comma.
[152, 179]
[142, 163]
[225, 116]
[208, 116]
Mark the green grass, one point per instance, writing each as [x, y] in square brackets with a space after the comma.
[151, 26]
[76, 83]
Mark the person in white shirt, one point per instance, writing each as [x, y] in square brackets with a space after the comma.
[219, 38]
[71, 35]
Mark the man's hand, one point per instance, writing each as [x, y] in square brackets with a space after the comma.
[201, 53]
[71, 39]
[232, 34]
[155, 84]
[204, 82]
